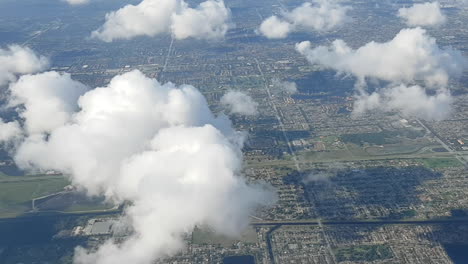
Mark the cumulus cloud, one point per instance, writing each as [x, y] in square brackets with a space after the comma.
[322, 16]
[155, 145]
[317, 177]
[410, 59]
[238, 102]
[77, 2]
[209, 20]
[424, 14]
[324, 175]
[275, 28]
[45, 101]
[16, 60]
[411, 101]
[285, 86]
[9, 131]
[412, 55]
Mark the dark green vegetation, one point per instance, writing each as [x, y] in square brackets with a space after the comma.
[363, 253]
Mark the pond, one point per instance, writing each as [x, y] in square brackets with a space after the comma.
[239, 260]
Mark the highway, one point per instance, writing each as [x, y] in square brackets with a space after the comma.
[360, 222]
[293, 155]
[280, 121]
[461, 158]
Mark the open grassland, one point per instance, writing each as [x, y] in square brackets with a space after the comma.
[435, 163]
[16, 192]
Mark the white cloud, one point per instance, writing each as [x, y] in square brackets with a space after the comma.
[326, 15]
[77, 2]
[275, 28]
[9, 131]
[46, 100]
[425, 14]
[409, 57]
[323, 16]
[16, 60]
[411, 101]
[317, 177]
[285, 86]
[209, 20]
[238, 102]
[157, 146]
[149, 18]
[326, 174]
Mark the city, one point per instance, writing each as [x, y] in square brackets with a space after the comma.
[379, 187]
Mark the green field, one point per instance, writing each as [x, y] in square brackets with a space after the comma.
[403, 148]
[16, 192]
[435, 163]
[383, 137]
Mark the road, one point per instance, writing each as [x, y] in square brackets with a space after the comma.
[280, 121]
[277, 224]
[358, 158]
[359, 222]
[462, 159]
[166, 61]
[292, 152]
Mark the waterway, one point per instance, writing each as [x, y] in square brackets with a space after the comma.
[457, 252]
